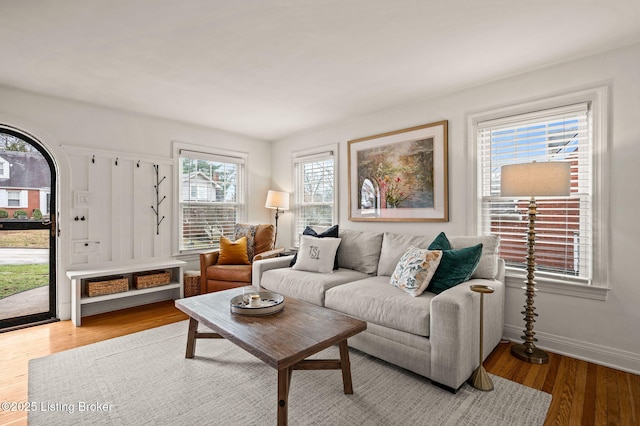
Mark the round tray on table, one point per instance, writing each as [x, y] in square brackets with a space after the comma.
[269, 303]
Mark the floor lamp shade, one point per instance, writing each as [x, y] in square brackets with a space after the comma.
[536, 179]
[277, 200]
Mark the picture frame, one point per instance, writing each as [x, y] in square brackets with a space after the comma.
[400, 176]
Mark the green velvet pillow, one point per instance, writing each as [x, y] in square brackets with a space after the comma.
[440, 243]
[456, 266]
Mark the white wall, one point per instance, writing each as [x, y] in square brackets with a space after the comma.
[59, 124]
[606, 332]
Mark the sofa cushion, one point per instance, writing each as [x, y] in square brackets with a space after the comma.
[415, 270]
[330, 232]
[233, 252]
[264, 238]
[375, 301]
[307, 286]
[394, 245]
[240, 273]
[359, 251]
[316, 254]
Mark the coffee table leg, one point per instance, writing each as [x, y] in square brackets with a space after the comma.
[346, 367]
[284, 381]
[191, 338]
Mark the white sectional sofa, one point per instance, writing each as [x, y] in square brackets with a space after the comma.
[436, 336]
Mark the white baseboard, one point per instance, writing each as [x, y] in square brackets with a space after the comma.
[597, 354]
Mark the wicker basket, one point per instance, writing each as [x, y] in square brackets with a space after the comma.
[149, 279]
[106, 285]
[191, 283]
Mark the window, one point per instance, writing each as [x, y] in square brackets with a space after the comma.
[569, 241]
[315, 189]
[13, 199]
[4, 168]
[212, 198]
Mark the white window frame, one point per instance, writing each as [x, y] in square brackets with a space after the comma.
[598, 100]
[214, 154]
[316, 154]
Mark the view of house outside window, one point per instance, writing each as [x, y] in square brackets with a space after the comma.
[564, 225]
[211, 199]
[314, 191]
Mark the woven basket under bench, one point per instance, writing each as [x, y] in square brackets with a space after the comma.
[149, 279]
[106, 285]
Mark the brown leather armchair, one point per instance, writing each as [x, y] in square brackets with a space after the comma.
[213, 277]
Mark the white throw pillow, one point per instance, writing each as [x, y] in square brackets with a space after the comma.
[415, 270]
[316, 254]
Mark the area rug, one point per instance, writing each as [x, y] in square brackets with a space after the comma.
[144, 379]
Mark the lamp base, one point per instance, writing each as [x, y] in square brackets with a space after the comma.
[480, 380]
[537, 357]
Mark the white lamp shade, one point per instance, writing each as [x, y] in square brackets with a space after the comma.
[277, 200]
[545, 179]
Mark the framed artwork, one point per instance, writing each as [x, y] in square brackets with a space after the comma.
[400, 176]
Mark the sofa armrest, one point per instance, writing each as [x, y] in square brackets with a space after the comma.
[260, 266]
[454, 334]
[206, 260]
[268, 254]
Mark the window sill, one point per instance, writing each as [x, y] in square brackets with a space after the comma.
[554, 286]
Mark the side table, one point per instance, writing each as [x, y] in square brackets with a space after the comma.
[480, 378]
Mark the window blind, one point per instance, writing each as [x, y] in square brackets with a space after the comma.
[211, 198]
[564, 225]
[314, 191]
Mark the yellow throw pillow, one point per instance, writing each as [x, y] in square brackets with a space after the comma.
[233, 252]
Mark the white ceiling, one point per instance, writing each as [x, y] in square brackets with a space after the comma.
[271, 68]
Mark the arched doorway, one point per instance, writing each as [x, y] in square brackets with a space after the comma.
[27, 231]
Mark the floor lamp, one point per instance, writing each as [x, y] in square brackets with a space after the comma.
[278, 200]
[544, 179]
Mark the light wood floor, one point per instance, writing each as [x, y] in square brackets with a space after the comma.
[583, 393]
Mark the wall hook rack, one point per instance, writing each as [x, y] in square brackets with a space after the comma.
[156, 208]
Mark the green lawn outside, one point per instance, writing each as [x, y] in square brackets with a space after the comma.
[25, 239]
[17, 278]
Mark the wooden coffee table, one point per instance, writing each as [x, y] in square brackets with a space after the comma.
[282, 340]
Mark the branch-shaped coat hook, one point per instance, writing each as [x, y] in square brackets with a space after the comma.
[93, 159]
[156, 208]
[138, 165]
[116, 161]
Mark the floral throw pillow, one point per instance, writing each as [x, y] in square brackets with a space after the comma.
[415, 270]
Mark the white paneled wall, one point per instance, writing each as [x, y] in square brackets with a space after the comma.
[111, 219]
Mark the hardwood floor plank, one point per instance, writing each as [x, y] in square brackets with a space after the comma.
[634, 381]
[589, 400]
[624, 396]
[613, 397]
[563, 389]
[577, 401]
[552, 373]
[601, 411]
[583, 393]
